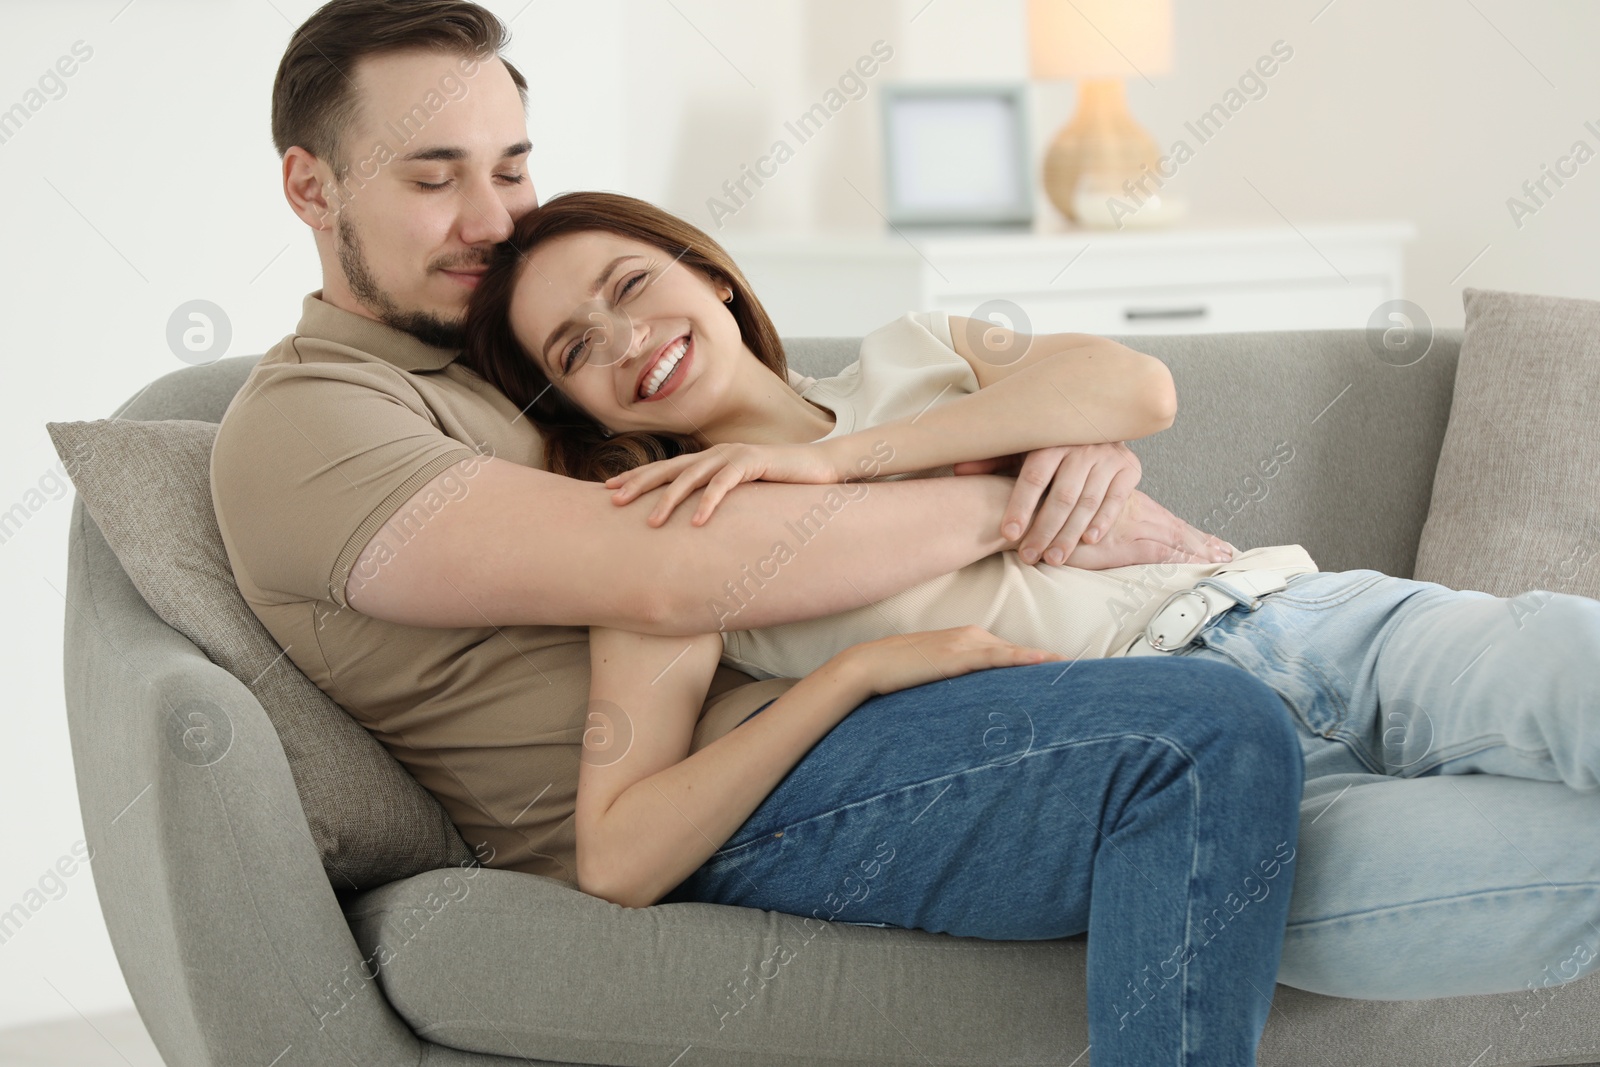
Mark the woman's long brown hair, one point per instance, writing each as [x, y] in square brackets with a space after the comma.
[575, 444]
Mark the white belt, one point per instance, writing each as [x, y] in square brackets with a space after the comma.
[1183, 614]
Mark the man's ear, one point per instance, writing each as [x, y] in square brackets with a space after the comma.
[306, 184]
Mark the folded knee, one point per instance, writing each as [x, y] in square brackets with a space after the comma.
[1247, 717]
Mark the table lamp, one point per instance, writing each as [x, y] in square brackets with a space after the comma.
[1101, 43]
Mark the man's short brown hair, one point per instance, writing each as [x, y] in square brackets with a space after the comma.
[314, 94]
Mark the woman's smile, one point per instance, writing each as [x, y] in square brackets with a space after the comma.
[662, 375]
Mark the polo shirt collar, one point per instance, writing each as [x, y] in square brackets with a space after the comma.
[322, 320]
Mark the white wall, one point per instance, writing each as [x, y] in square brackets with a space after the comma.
[1435, 111]
[152, 181]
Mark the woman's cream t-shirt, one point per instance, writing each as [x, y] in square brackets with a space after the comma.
[905, 368]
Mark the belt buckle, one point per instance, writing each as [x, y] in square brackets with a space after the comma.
[1200, 620]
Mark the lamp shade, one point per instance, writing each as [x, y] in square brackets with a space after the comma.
[1099, 38]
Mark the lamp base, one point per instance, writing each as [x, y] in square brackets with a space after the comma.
[1096, 154]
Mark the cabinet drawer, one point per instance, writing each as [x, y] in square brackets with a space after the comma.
[1192, 309]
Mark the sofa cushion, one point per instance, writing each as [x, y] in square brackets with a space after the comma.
[148, 486]
[1513, 506]
[519, 965]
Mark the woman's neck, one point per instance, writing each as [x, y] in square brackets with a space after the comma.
[762, 409]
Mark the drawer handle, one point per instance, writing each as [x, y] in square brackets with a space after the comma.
[1137, 314]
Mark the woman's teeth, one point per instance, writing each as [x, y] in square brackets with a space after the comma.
[668, 363]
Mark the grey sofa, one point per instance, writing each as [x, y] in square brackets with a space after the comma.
[239, 952]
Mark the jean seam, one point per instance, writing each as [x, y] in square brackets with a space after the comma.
[1334, 733]
[1374, 913]
[1300, 661]
[1488, 741]
[1190, 772]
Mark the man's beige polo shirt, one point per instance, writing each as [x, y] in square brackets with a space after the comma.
[340, 424]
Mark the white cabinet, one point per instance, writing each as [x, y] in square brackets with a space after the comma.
[1168, 281]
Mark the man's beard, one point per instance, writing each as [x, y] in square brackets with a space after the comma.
[426, 327]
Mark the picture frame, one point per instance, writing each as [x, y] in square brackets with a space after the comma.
[957, 155]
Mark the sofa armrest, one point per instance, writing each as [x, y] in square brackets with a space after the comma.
[230, 936]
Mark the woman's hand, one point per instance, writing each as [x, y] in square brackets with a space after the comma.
[1088, 487]
[1146, 532]
[890, 664]
[720, 468]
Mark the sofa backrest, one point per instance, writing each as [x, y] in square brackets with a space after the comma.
[1304, 437]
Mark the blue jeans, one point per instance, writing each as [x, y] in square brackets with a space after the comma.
[1153, 804]
[1450, 840]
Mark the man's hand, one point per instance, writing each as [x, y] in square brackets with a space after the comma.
[1088, 487]
[1146, 532]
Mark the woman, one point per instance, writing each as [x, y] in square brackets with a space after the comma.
[669, 375]
[1153, 805]
[629, 392]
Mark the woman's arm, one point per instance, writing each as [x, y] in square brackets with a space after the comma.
[1052, 389]
[648, 813]
[647, 817]
[1055, 390]
[1065, 402]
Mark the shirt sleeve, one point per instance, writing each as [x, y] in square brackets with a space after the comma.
[311, 462]
[938, 324]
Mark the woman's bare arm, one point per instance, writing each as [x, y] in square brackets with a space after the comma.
[1058, 389]
[648, 813]
[1064, 401]
[647, 817]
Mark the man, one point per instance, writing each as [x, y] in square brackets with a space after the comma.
[385, 510]
[386, 513]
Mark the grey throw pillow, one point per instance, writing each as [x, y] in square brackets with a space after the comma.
[1514, 503]
[148, 486]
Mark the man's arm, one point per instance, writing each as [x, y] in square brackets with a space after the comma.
[524, 546]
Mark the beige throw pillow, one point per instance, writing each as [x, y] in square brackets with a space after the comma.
[1516, 498]
[148, 487]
